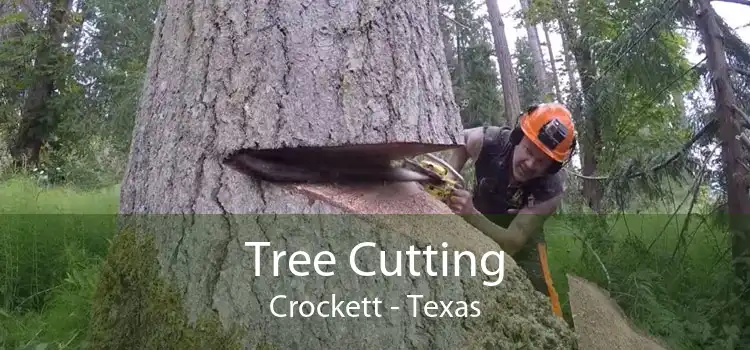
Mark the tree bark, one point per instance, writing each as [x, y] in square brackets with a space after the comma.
[569, 68]
[508, 80]
[369, 75]
[738, 201]
[447, 42]
[296, 74]
[590, 137]
[566, 38]
[460, 44]
[536, 54]
[553, 64]
[38, 117]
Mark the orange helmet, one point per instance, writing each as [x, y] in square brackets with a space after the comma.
[550, 127]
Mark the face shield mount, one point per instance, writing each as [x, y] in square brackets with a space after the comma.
[552, 134]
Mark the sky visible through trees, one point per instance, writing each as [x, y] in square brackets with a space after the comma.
[737, 16]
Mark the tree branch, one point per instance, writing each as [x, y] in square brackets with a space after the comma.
[745, 118]
[453, 20]
[741, 2]
[740, 70]
[709, 128]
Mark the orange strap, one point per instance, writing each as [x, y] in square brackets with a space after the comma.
[542, 249]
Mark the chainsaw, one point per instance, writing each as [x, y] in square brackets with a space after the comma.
[440, 184]
[333, 165]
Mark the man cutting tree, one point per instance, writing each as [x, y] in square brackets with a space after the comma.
[518, 172]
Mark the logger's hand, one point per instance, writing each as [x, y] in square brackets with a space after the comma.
[461, 202]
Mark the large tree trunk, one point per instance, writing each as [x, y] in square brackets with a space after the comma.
[738, 201]
[511, 97]
[286, 84]
[296, 74]
[536, 54]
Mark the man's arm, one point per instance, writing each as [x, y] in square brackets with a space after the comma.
[510, 240]
[472, 146]
[547, 196]
[528, 221]
[545, 208]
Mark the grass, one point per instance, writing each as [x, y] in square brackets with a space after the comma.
[51, 244]
[24, 196]
[49, 267]
[677, 289]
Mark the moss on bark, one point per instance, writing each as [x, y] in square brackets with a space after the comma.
[135, 308]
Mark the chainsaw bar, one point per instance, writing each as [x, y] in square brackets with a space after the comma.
[412, 165]
[324, 170]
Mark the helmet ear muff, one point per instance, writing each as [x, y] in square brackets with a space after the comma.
[531, 109]
[516, 135]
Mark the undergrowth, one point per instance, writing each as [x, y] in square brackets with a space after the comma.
[673, 282]
[52, 242]
[672, 279]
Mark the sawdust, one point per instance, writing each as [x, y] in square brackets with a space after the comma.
[389, 198]
[599, 321]
[514, 315]
[396, 206]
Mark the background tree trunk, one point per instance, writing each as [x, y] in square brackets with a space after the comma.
[447, 42]
[295, 75]
[511, 97]
[38, 119]
[536, 53]
[569, 68]
[553, 64]
[590, 135]
[738, 201]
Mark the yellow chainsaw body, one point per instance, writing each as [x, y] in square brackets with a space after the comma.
[443, 190]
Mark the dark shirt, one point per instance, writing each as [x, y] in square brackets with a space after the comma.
[494, 195]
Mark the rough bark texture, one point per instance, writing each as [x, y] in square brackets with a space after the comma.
[460, 71]
[513, 315]
[511, 97]
[235, 75]
[738, 201]
[297, 73]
